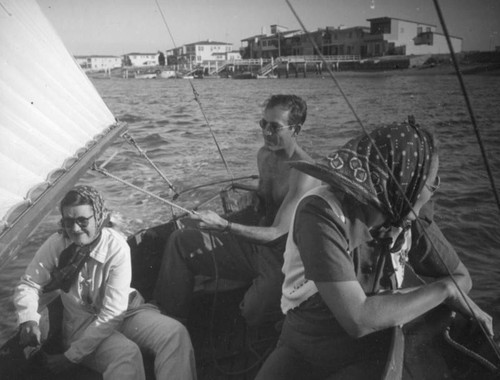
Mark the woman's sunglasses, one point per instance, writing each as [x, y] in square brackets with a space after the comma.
[81, 221]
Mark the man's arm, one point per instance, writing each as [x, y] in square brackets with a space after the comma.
[299, 184]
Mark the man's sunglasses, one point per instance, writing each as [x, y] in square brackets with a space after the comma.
[272, 126]
[81, 221]
[435, 186]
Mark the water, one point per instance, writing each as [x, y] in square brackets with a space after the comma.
[166, 121]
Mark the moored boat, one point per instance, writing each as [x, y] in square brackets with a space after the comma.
[145, 76]
[245, 75]
[167, 74]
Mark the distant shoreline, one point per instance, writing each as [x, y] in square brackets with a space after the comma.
[445, 69]
[489, 69]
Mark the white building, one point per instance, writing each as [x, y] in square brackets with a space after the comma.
[141, 59]
[233, 55]
[98, 62]
[390, 36]
[198, 53]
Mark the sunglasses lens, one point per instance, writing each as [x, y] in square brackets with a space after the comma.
[271, 126]
[81, 221]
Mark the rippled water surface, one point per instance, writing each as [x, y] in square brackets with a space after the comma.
[167, 122]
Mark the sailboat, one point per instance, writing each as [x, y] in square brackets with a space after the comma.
[54, 125]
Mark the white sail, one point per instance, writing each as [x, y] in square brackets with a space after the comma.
[49, 109]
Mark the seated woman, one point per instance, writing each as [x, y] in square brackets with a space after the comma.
[346, 252]
[105, 322]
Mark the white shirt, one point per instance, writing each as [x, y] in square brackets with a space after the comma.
[95, 304]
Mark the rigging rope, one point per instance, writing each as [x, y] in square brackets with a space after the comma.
[467, 102]
[132, 142]
[197, 99]
[466, 351]
[108, 174]
[452, 277]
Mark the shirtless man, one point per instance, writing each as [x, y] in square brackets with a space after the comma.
[252, 254]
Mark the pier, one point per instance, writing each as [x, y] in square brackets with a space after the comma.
[291, 65]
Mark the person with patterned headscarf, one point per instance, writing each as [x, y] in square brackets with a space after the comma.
[105, 323]
[346, 251]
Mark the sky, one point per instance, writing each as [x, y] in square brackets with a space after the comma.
[117, 27]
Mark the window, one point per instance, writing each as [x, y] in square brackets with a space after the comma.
[401, 30]
[419, 30]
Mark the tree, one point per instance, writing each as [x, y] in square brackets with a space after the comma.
[161, 59]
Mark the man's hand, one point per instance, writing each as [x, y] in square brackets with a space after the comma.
[457, 302]
[207, 220]
[58, 363]
[30, 334]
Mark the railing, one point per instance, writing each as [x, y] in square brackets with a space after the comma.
[268, 64]
[315, 58]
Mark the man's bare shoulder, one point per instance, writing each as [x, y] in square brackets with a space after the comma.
[301, 154]
[302, 182]
[263, 154]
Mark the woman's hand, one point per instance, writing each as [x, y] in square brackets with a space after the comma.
[58, 363]
[30, 334]
[461, 304]
[208, 220]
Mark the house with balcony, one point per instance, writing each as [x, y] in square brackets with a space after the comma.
[393, 36]
[199, 53]
[98, 62]
[267, 46]
[284, 42]
[343, 41]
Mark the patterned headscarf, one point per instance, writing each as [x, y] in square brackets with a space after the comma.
[72, 259]
[94, 198]
[406, 150]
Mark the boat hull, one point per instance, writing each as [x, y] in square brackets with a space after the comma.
[226, 347]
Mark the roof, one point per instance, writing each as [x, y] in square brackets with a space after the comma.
[141, 54]
[97, 56]
[400, 19]
[332, 29]
[254, 37]
[208, 42]
[282, 34]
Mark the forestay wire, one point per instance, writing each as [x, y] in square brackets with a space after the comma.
[351, 107]
[197, 99]
[467, 102]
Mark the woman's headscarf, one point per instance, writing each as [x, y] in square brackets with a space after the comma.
[91, 196]
[406, 151]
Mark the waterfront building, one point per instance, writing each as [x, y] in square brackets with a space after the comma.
[199, 53]
[342, 41]
[384, 36]
[141, 59]
[393, 36]
[277, 43]
[98, 62]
